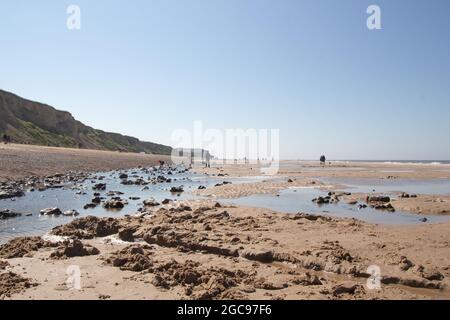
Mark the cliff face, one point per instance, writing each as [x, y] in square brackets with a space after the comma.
[36, 123]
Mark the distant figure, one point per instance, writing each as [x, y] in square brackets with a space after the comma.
[322, 160]
[208, 160]
[6, 139]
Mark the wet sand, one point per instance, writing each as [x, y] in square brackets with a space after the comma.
[211, 252]
[208, 250]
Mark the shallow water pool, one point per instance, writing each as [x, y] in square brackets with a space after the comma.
[296, 200]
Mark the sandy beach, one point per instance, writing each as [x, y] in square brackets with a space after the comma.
[19, 161]
[206, 248]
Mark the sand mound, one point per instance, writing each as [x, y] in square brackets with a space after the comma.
[11, 283]
[134, 258]
[88, 228]
[74, 248]
[3, 264]
[199, 283]
[23, 246]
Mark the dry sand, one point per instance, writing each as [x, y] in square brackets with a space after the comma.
[20, 161]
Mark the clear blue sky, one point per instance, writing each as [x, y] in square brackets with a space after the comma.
[310, 68]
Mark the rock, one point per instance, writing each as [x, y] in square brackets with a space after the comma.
[423, 219]
[266, 285]
[201, 187]
[7, 194]
[89, 206]
[404, 195]
[74, 248]
[176, 189]
[150, 203]
[321, 200]
[310, 217]
[405, 264]
[257, 255]
[23, 246]
[96, 200]
[12, 283]
[114, 204]
[384, 206]
[72, 213]
[127, 234]
[99, 186]
[87, 228]
[377, 199]
[3, 264]
[431, 274]
[166, 201]
[123, 176]
[51, 212]
[7, 214]
[290, 180]
[308, 280]
[347, 288]
[133, 258]
[114, 193]
[352, 202]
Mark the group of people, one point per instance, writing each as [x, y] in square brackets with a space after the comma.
[6, 139]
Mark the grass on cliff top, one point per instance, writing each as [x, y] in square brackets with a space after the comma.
[39, 136]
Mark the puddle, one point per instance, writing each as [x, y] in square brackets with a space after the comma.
[412, 186]
[296, 200]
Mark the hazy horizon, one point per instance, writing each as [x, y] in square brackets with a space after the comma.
[309, 68]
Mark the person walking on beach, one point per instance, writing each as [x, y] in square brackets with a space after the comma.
[322, 160]
[208, 159]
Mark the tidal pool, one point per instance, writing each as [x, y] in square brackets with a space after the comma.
[294, 200]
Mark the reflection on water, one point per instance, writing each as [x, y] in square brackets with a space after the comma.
[413, 186]
[296, 200]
